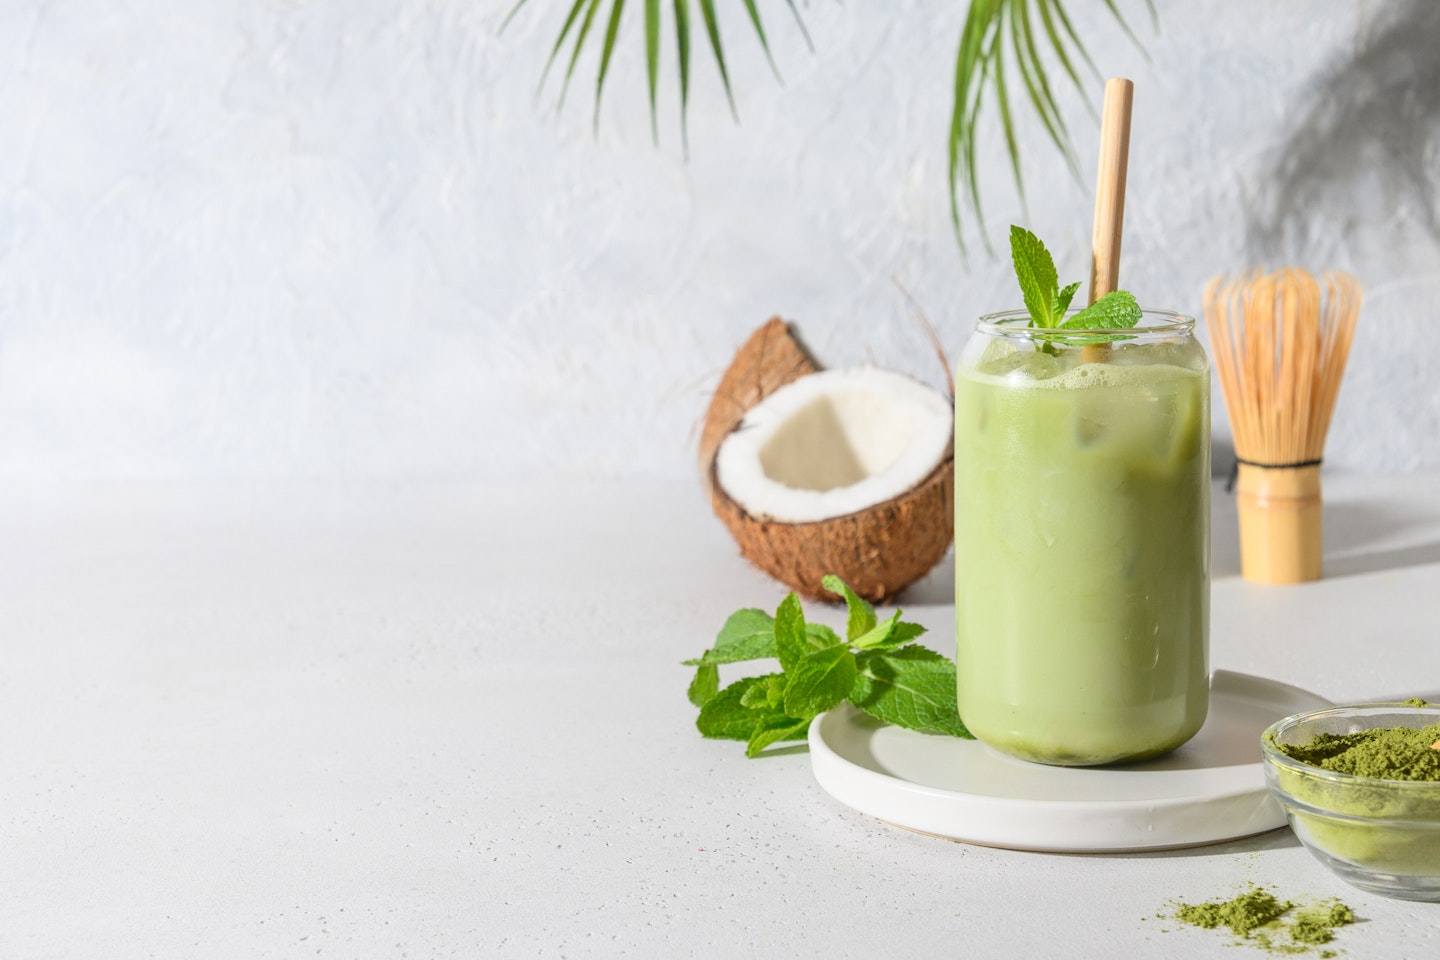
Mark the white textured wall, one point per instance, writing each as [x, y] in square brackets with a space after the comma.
[274, 238]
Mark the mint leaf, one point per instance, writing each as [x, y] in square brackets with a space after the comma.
[747, 635]
[861, 615]
[705, 685]
[791, 640]
[1114, 311]
[880, 634]
[1062, 303]
[821, 636]
[744, 627]
[765, 696]
[773, 729]
[877, 668]
[1035, 270]
[911, 687]
[901, 635]
[745, 711]
[725, 717]
[819, 681]
[889, 634]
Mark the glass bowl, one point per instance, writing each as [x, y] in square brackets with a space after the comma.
[1382, 836]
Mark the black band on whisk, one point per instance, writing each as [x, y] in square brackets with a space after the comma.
[1235, 468]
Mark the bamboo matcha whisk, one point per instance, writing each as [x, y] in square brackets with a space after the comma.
[1280, 349]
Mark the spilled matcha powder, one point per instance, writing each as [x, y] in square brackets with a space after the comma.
[1318, 925]
[1245, 913]
[1258, 918]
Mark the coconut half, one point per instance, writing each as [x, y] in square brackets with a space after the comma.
[839, 471]
[834, 443]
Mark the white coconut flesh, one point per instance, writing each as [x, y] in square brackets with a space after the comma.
[834, 443]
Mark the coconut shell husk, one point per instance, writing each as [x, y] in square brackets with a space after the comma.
[878, 551]
[772, 357]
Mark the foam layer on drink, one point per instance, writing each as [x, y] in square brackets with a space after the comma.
[1126, 365]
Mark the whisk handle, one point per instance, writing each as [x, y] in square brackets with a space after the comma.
[1280, 522]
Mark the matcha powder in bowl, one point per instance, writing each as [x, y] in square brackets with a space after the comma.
[1361, 788]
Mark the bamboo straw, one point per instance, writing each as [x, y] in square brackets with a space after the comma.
[1280, 349]
[1109, 199]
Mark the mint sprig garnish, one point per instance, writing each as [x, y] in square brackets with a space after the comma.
[1117, 310]
[1047, 303]
[876, 667]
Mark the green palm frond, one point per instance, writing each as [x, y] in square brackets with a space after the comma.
[581, 15]
[759, 26]
[591, 7]
[1004, 49]
[611, 32]
[1029, 29]
[652, 58]
[682, 52]
[712, 29]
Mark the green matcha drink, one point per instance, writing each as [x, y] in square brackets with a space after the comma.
[1082, 525]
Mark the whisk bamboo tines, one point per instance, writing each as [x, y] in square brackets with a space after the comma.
[1280, 346]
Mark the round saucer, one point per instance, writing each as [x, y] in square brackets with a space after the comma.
[1209, 790]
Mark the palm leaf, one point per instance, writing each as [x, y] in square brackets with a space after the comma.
[682, 45]
[995, 31]
[1074, 37]
[652, 60]
[611, 32]
[760, 32]
[1002, 100]
[559, 41]
[580, 18]
[593, 5]
[1058, 47]
[982, 57]
[973, 171]
[511, 15]
[1032, 71]
[1120, 19]
[968, 61]
[712, 29]
[799, 22]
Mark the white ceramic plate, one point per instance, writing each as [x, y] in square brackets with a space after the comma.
[1210, 790]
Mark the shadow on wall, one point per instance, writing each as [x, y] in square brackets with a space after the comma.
[1362, 138]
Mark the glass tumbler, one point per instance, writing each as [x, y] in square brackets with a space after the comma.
[1082, 538]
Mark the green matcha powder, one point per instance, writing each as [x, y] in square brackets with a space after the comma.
[1258, 917]
[1387, 753]
[1389, 821]
[1263, 920]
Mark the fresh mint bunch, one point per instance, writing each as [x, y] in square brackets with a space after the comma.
[1047, 303]
[876, 667]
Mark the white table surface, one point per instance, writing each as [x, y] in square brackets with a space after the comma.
[451, 721]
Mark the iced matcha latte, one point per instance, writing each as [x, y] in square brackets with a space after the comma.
[1082, 539]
